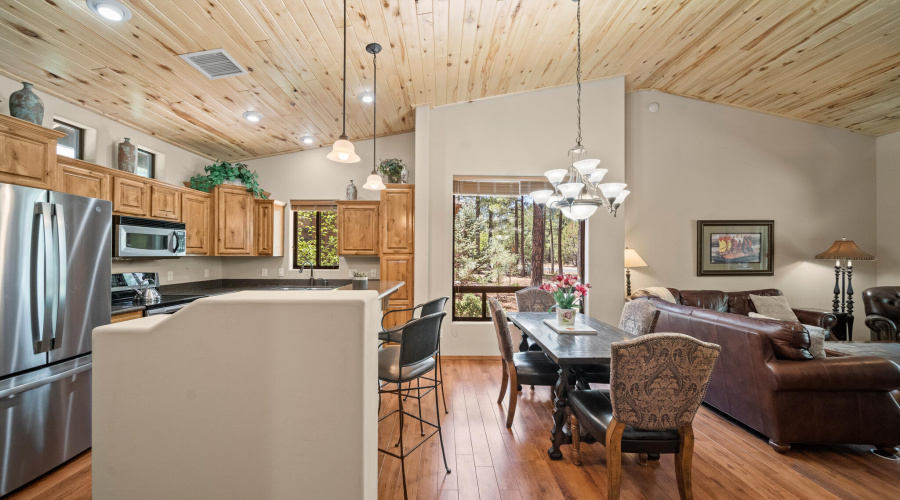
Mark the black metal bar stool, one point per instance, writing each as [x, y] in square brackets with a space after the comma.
[412, 360]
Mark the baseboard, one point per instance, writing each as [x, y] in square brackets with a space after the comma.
[470, 358]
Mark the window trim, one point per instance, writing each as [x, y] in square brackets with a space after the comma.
[139, 150]
[79, 143]
[295, 249]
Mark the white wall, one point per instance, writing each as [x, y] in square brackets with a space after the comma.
[309, 175]
[523, 134]
[887, 175]
[694, 160]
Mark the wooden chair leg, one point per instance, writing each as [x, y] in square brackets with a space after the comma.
[504, 381]
[683, 461]
[513, 395]
[614, 458]
[576, 439]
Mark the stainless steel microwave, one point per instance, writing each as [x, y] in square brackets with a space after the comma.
[137, 237]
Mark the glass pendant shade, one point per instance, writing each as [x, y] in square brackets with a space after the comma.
[343, 152]
[578, 211]
[621, 198]
[541, 197]
[554, 201]
[585, 167]
[570, 190]
[374, 183]
[597, 176]
[612, 190]
[556, 176]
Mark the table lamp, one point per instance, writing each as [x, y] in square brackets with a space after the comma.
[843, 252]
[632, 259]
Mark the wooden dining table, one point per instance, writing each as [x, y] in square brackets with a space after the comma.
[572, 353]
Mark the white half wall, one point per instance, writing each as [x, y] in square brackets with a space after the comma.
[887, 195]
[523, 134]
[694, 160]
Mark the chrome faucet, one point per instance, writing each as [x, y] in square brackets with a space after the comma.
[312, 279]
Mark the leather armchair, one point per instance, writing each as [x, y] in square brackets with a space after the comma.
[882, 305]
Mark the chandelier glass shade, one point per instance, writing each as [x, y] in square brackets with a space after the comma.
[374, 182]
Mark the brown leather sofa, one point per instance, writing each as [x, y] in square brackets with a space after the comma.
[766, 379]
[882, 305]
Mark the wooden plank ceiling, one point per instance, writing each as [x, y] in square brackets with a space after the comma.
[833, 62]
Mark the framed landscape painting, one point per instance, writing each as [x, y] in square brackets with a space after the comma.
[735, 247]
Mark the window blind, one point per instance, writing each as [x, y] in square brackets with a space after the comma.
[498, 186]
[313, 205]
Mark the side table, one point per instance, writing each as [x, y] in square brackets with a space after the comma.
[843, 329]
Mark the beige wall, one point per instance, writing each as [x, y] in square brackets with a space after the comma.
[694, 160]
[887, 161]
[523, 134]
[310, 175]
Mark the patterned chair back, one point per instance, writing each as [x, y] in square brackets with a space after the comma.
[659, 380]
[639, 317]
[533, 299]
[501, 325]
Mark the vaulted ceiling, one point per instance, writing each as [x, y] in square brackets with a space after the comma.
[835, 62]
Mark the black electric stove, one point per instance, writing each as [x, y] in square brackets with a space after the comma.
[125, 288]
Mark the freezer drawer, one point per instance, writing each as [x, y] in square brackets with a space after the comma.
[45, 424]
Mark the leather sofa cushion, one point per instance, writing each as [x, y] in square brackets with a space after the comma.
[705, 299]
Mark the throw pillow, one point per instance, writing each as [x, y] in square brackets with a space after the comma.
[775, 307]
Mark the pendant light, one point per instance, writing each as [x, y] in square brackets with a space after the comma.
[342, 151]
[580, 196]
[374, 181]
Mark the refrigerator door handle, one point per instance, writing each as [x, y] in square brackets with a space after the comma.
[44, 381]
[41, 307]
[62, 264]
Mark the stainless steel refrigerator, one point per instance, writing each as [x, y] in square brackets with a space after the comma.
[55, 257]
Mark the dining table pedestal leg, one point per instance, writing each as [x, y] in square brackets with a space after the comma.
[560, 400]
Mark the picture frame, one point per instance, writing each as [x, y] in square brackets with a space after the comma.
[735, 248]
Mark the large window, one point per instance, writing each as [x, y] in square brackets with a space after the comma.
[146, 163]
[72, 145]
[494, 252]
[316, 238]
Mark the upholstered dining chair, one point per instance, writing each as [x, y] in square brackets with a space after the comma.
[657, 383]
[639, 317]
[395, 335]
[529, 367]
[532, 299]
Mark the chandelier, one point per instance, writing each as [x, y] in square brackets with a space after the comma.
[582, 193]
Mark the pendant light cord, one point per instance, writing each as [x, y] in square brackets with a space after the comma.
[578, 75]
[344, 126]
[374, 107]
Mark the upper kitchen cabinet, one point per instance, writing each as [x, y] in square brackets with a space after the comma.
[83, 179]
[269, 228]
[130, 196]
[197, 215]
[27, 153]
[398, 219]
[235, 211]
[165, 202]
[359, 227]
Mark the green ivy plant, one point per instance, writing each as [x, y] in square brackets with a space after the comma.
[222, 171]
[392, 167]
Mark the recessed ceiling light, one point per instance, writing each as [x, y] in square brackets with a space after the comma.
[367, 97]
[109, 10]
[307, 139]
[252, 116]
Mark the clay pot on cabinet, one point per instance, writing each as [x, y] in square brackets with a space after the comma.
[26, 105]
[127, 156]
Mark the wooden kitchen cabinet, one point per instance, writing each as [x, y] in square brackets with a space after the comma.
[359, 227]
[234, 220]
[118, 318]
[398, 268]
[83, 179]
[28, 154]
[165, 202]
[269, 228]
[130, 197]
[398, 219]
[197, 215]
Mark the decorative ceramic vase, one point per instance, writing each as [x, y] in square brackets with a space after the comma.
[404, 175]
[360, 282]
[127, 156]
[351, 191]
[26, 105]
[565, 317]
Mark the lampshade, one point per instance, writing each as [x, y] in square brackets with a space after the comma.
[585, 167]
[541, 197]
[570, 190]
[597, 175]
[374, 183]
[556, 176]
[844, 249]
[579, 211]
[632, 259]
[343, 151]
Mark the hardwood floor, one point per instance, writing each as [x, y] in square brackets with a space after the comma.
[491, 462]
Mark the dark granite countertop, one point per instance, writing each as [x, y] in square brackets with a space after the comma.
[126, 309]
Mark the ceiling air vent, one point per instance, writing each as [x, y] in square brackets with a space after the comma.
[214, 64]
